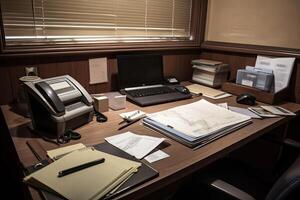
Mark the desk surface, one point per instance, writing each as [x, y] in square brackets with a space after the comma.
[182, 161]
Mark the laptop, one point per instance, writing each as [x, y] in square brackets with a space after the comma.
[141, 79]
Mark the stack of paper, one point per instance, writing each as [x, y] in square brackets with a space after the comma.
[93, 182]
[210, 72]
[197, 123]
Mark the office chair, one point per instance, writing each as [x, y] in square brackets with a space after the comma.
[228, 179]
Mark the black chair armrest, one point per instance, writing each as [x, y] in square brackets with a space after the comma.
[230, 190]
[292, 143]
[287, 142]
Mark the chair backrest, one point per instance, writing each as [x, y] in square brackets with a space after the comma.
[10, 164]
[288, 185]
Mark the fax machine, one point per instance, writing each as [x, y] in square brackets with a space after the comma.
[58, 104]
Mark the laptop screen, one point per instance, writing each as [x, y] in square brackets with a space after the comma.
[139, 70]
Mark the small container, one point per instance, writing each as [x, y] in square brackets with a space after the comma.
[116, 100]
[101, 103]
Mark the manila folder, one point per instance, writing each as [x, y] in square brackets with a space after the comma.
[90, 183]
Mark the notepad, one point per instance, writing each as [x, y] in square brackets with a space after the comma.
[91, 183]
[206, 91]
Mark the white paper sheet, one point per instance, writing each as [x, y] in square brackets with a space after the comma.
[156, 156]
[223, 105]
[282, 69]
[218, 97]
[136, 145]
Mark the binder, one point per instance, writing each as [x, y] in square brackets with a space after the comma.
[145, 173]
[188, 141]
[182, 122]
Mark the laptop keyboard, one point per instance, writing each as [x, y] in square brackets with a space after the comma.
[150, 91]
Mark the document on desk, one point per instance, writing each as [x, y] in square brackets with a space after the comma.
[244, 111]
[282, 69]
[198, 119]
[92, 182]
[62, 151]
[136, 145]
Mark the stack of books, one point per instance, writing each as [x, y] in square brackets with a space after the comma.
[209, 72]
[196, 124]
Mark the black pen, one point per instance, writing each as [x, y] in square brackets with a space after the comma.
[80, 167]
[129, 123]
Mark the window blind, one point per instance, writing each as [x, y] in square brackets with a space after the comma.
[38, 22]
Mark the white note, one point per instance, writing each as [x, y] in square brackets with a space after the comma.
[136, 145]
[133, 115]
[156, 156]
[98, 70]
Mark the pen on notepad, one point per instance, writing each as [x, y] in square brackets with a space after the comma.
[129, 123]
[80, 167]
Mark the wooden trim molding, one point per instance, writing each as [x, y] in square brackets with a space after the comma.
[250, 49]
[198, 12]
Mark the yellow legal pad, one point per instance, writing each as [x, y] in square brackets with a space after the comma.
[90, 183]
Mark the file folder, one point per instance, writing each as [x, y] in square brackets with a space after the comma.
[144, 173]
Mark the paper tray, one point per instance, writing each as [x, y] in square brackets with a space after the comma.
[266, 97]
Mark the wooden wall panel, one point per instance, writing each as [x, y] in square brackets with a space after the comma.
[254, 22]
[14, 74]
[178, 65]
[5, 86]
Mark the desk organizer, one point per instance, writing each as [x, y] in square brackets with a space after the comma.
[262, 96]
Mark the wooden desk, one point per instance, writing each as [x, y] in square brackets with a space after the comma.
[182, 161]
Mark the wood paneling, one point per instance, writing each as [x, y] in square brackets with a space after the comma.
[5, 86]
[254, 22]
[177, 64]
